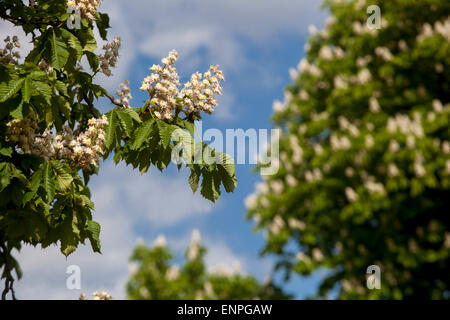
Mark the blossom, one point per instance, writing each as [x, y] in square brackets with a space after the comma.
[87, 7]
[8, 54]
[160, 242]
[374, 106]
[196, 96]
[351, 194]
[83, 149]
[124, 94]
[384, 53]
[109, 58]
[296, 224]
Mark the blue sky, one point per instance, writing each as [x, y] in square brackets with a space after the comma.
[255, 42]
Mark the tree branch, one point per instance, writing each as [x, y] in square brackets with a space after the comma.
[9, 280]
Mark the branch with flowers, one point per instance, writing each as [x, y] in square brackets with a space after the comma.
[53, 138]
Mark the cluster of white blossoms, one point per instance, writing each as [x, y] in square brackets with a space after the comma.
[197, 95]
[442, 28]
[109, 59]
[194, 247]
[87, 7]
[406, 125]
[124, 94]
[82, 148]
[98, 295]
[8, 54]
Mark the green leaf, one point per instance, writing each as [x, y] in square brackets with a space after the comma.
[93, 60]
[27, 89]
[63, 177]
[133, 114]
[194, 178]
[69, 234]
[48, 181]
[142, 133]
[62, 88]
[165, 132]
[88, 38]
[93, 229]
[227, 163]
[35, 183]
[209, 190]
[7, 152]
[102, 21]
[111, 128]
[8, 89]
[44, 90]
[73, 42]
[59, 52]
[126, 121]
[229, 182]
[18, 113]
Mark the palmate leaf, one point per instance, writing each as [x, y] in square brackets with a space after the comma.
[194, 178]
[35, 183]
[93, 229]
[63, 177]
[210, 188]
[48, 181]
[143, 133]
[18, 112]
[226, 171]
[69, 234]
[133, 114]
[73, 42]
[9, 89]
[111, 128]
[58, 51]
[44, 90]
[165, 132]
[27, 89]
[126, 122]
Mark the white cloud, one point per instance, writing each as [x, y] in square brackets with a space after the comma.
[151, 198]
[217, 29]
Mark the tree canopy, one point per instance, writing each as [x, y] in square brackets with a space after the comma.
[365, 154]
[154, 276]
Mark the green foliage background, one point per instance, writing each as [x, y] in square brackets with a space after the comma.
[344, 208]
[155, 278]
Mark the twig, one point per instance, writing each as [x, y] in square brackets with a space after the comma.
[113, 101]
[9, 281]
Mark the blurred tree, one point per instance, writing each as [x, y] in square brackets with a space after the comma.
[157, 279]
[364, 173]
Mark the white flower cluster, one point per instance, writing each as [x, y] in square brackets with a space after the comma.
[194, 247]
[384, 53]
[124, 94]
[442, 28]
[197, 95]
[109, 59]
[87, 7]
[405, 125]
[8, 54]
[82, 148]
[306, 67]
[329, 53]
[98, 295]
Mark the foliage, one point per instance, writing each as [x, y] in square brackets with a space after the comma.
[365, 155]
[156, 278]
[46, 200]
